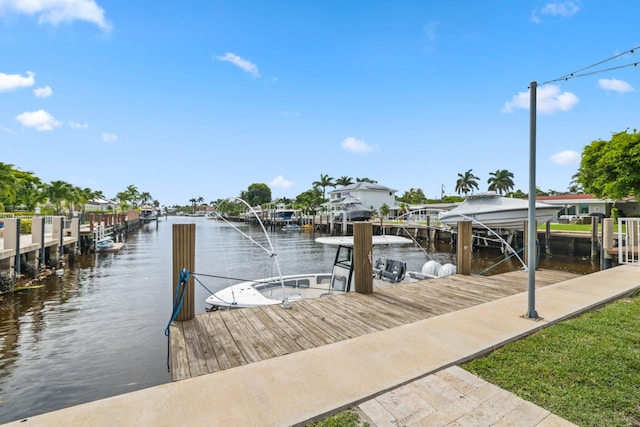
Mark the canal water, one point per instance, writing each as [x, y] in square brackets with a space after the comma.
[98, 330]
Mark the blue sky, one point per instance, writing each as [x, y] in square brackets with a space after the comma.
[189, 99]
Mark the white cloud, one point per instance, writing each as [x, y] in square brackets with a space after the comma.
[355, 145]
[76, 125]
[615, 85]
[43, 92]
[55, 12]
[566, 157]
[40, 120]
[109, 137]
[13, 81]
[549, 99]
[563, 9]
[241, 63]
[280, 182]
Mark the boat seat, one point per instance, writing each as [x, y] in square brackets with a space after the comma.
[395, 271]
[339, 283]
[303, 283]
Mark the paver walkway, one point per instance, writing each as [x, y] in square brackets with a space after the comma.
[455, 398]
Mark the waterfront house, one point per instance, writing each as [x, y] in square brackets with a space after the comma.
[371, 196]
[101, 204]
[581, 205]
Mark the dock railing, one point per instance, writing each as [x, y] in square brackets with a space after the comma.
[628, 238]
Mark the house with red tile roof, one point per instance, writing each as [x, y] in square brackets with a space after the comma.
[586, 204]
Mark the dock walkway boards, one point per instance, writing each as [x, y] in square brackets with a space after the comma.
[225, 339]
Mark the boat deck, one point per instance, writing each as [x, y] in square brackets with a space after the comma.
[225, 339]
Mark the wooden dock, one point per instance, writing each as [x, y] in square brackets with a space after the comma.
[225, 339]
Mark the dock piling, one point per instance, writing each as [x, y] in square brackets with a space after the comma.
[184, 249]
[464, 247]
[362, 257]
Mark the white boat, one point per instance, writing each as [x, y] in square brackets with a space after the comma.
[284, 289]
[147, 213]
[353, 210]
[494, 211]
[284, 214]
[105, 243]
[291, 227]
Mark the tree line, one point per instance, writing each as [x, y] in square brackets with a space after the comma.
[20, 190]
[608, 169]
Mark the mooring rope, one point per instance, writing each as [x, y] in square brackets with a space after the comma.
[181, 289]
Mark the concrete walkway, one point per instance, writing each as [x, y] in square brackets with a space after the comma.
[309, 385]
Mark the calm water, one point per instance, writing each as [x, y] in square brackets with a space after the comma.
[99, 330]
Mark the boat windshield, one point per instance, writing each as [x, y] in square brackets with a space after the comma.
[344, 256]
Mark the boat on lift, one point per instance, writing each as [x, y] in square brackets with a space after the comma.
[496, 212]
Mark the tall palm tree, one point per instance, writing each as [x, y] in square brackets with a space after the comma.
[466, 182]
[501, 181]
[133, 194]
[325, 181]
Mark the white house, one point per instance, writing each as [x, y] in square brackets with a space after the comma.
[371, 196]
[101, 204]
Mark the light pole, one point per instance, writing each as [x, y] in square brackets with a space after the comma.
[533, 235]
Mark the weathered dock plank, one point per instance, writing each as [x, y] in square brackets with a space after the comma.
[224, 339]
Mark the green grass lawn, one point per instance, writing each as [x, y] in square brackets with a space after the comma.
[586, 370]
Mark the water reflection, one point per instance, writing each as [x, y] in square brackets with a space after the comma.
[98, 330]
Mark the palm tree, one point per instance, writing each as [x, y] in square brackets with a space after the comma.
[58, 192]
[343, 181]
[84, 195]
[467, 182]
[384, 211]
[145, 198]
[325, 181]
[133, 194]
[369, 180]
[501, 181]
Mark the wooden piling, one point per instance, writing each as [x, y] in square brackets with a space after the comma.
[464, 247]
[184, 251]
[362, 257]
[607, 242]
[594, 237]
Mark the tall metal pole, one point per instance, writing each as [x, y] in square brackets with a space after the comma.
[533, 235]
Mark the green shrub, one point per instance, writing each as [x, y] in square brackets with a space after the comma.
[30, 270]
[614, 214]
[25, 226]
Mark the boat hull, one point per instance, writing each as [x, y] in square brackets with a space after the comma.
[272, 291]
[497, 212]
